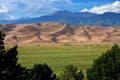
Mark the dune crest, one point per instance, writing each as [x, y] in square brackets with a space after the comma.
[56, 33]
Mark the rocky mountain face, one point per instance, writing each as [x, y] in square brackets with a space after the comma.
[72, 18]
[59, 34]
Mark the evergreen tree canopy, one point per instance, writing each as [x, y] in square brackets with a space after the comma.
[41, 72]
[9, 68]
[107, 66]
[2, 37]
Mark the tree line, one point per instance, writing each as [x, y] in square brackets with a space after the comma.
[105, 67]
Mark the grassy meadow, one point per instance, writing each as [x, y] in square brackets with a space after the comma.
[59, 56]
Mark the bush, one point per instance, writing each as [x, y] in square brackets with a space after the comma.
[70, 73]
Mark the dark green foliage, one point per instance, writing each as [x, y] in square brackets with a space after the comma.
[70, 73]
[10, 59]
[9, 68]
[41, 72]
[2, 36]
[17, 73]
[107, 66]
[80, 75]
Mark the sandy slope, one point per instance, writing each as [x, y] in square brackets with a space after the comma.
[55, 33]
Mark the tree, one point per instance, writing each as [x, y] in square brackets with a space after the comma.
[80, 75]
[2, 37]
[70, 73]
[2, 51]
[107, 66]
[9, 68]
[41, 72]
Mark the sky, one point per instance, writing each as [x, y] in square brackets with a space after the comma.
[14, 9]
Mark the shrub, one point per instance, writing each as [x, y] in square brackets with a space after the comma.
[70, 73]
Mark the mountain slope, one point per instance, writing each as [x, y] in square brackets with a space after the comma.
[73, 18]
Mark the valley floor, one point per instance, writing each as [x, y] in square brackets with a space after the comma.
[59, 56]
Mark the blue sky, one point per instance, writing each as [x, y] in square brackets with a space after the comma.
[13, 9]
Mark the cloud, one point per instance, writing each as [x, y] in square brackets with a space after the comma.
[13, 9]
[34, 8]
[4, 16]
[114, 7]
[85, 10]
[3, 9]
[11, 17]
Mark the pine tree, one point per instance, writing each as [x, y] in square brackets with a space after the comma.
[2, 52]
[9, 68]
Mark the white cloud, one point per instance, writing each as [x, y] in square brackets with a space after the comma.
[85, 10]
[114, 7]
[11, 17]
[3, 9]
[34, 8]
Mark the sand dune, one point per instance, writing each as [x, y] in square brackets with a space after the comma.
[59, 34]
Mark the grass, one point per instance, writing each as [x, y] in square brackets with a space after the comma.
[59, 56]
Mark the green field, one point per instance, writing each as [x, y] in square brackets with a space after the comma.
[59, 56]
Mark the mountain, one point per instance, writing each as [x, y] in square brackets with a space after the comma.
[59, 34]
[4, 16]
[73, 18]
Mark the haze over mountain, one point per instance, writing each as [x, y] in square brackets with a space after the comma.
[72, 18]
[59, 34]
